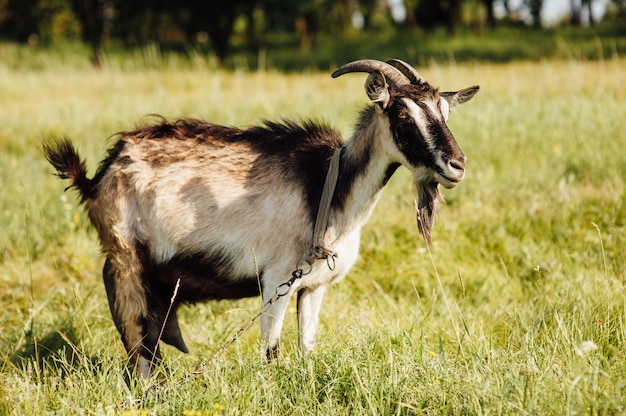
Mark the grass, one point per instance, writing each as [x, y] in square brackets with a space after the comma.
[529, 253]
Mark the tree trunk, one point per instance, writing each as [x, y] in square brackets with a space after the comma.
[455, 15]
[575, 13]
[491, 19]
[592, 21]
[90, 13]
[305, 33]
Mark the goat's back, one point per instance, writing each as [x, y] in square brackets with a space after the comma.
[201, 189]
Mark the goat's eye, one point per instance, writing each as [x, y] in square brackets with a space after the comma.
[403, 116]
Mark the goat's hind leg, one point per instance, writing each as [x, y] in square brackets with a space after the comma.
[123, 274]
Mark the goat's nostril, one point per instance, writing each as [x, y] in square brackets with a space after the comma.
[457, 164]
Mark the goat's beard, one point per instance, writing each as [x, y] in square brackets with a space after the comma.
[427, 205]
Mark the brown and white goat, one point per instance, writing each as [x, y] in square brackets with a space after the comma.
[230, 212]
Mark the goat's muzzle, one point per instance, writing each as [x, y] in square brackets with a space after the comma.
[453, 173]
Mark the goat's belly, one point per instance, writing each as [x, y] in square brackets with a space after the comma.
[205, 278]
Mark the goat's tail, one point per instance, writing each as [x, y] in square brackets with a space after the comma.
[62, 155]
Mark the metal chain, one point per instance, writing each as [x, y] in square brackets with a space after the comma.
[281, 290]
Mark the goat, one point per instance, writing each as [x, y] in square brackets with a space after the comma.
[229, 212]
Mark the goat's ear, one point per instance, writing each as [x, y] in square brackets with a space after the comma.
[377, 89]
[460, 97]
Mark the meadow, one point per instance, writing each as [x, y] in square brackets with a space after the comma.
[519, 308]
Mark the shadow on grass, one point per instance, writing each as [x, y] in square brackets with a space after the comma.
[54, 351]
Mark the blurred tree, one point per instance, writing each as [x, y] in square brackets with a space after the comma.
[430, 14]
[17, 19]
[145, 21]
[591, 19]
[410, 6]
[252, 32]
[139, 22]
[367, 9]
[217, 18]
[91, 15]
[620, 8]
[490, 19]
[576, 11]
[306, 18]
[36, 20]
[221, 22]
[455, 14]
[534, 8]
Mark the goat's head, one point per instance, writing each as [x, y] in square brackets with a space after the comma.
[416, 114]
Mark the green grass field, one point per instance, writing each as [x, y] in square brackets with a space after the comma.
[521, 309]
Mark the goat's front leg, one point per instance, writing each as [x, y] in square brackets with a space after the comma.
[309, 303]
[272, 323]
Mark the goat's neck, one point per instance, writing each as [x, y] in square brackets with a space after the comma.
[364, 171]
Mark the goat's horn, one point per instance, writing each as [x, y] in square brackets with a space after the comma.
[408, 71]
[393, 75]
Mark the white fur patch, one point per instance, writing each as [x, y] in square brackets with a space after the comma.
[445, 108]
[420, 120]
